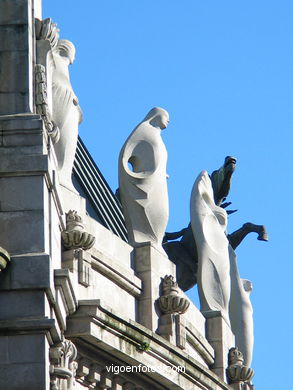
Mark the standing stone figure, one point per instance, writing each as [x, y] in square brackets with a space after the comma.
[219, 284]
[66, 111]
[143, 180]
[209, 222]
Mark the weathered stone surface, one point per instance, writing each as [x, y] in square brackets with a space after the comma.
[24, 231]
[14, 12]
[27, 272]
[16, 57]
[30, 376]
[28, 303]
[221, 338]
[151, 266]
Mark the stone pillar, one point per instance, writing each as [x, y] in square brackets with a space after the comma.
[151, 266]
[28, 324]
[17, 53]
[221, 338]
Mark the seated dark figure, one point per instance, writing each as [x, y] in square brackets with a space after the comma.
[184, 253]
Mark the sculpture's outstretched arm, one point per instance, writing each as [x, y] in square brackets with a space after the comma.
[237, 237]
[174, 235]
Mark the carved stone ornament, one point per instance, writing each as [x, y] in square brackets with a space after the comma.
[42, 106]
[170, 302]
[4, 259]
[47, 30]
[237, 372]
[63, 366]
[75, 236]
[143, 181]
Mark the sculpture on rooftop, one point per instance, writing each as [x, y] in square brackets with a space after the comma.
[184, 252]
[66, 111]
[206, 255]
[56, 101]
[143, 181]
[209, 222]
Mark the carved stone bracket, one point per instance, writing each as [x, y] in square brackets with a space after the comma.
[42, 106]
[63, 366]
[172, 305]
[237, 372]
[4, 259]
[75, 236]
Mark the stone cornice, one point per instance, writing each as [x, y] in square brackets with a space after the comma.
[98, 325]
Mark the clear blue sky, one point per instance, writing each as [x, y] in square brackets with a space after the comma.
[223, 70]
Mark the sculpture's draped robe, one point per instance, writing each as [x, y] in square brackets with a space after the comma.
[67, 116]
[143, 185]
[208, 223]
[220, 287]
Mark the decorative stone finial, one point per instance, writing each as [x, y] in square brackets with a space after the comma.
[74, 236]
[237, 371]
[170, 302]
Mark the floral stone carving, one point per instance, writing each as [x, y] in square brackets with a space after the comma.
[170, 302]
[75, 236]
[63, 366]
[237, 371]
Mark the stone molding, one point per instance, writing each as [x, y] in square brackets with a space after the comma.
[123, 277]
[100, 327]
[62, 280]
[199, 343]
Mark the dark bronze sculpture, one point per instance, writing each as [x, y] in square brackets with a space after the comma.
[184, 253]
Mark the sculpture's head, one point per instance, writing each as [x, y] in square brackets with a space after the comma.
[66, 49]
[158, 117]
[247, 285]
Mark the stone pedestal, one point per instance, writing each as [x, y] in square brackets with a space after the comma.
[221, 338]
[151, 267]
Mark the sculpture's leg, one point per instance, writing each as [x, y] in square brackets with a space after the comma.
[240, 311]
[237, 237]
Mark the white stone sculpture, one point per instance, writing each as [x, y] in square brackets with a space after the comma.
[66, 112]
[143, 181]
[240, 310]
[208, 223]
[219, 285]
